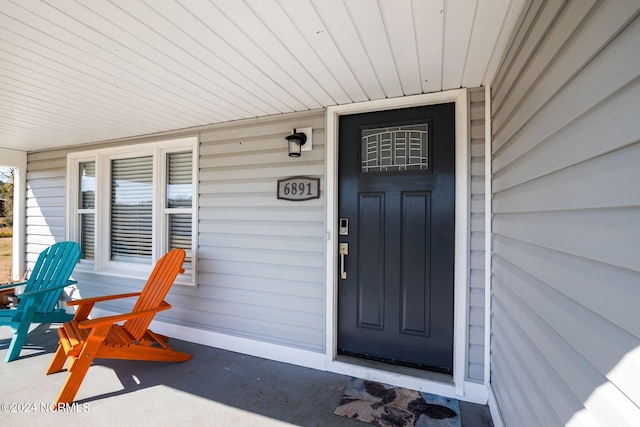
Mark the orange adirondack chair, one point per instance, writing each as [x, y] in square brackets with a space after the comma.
[83, 340]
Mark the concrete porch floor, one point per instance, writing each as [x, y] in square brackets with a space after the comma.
[215, 388]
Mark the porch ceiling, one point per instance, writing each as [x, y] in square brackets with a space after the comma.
[76, 72]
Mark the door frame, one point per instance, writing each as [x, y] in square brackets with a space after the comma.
[455, 388]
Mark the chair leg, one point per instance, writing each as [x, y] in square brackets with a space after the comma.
[57, 363]
[19, 337]
[74, 380]
[79, 366]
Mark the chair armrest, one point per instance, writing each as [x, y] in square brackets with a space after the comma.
[109, 320]
[12, 285]
[49, 289]
[94, 300]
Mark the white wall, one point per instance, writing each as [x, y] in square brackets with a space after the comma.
[566, 217]
[261, 259]
[477, 239]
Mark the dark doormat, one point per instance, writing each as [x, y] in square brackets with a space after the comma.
[384, 405]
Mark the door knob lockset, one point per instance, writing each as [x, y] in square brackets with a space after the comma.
[343, 249]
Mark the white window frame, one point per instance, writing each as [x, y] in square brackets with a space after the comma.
[102, 264]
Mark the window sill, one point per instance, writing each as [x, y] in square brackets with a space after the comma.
[141, 273]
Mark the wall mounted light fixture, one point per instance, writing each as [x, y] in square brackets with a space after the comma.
[297, 140]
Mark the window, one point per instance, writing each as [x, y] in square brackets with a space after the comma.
[132, 209]
[128, 206]
[87, 209]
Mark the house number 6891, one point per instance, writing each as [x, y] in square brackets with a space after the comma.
[299, 188]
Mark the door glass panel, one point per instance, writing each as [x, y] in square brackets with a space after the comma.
[397, 148]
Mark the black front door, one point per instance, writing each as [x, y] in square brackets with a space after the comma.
[396, 210]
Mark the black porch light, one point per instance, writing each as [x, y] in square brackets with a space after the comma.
[296, 140]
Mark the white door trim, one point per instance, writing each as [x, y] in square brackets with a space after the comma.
[457, 387]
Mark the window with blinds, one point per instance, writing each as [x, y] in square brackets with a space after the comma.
[132, 209]
[179, 202]
[132, 204]
[86, 211]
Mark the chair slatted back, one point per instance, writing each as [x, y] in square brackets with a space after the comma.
[155, 290]
[53, 267]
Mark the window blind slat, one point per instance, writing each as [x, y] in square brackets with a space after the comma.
[179, 185]
[131, 209]
[180, 235]
[87, 241]
[179, 195]
[87, 201]
[130, 203]
[87, 185]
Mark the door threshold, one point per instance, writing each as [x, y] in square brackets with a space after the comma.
[419, 374]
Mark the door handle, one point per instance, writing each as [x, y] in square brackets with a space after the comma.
[344, 251]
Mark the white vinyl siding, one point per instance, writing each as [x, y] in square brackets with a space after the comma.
[45, 204]
[262, 259]
[566, 209]
[476, 238]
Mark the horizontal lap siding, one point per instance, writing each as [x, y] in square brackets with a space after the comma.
[45, 202]
[566, 204]
[261, 260]
[477, 251]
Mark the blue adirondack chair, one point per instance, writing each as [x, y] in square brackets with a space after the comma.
[38, 302]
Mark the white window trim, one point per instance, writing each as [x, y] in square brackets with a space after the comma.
[102, 158]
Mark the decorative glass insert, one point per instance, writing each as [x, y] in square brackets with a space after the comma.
[397, 148]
